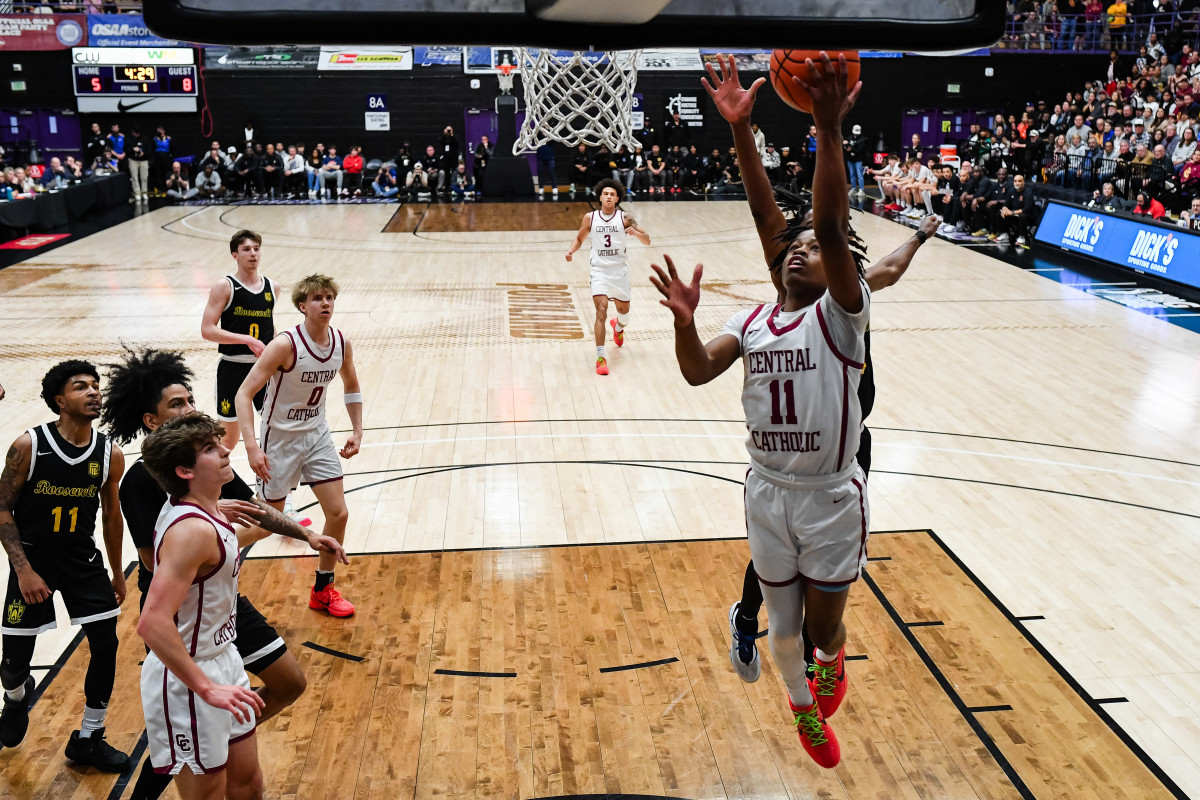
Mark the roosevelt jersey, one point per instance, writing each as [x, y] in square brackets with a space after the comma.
[249, 313]
[58, 503]
[207, 619]
[608, 239]
[296, 397]
[800, 394]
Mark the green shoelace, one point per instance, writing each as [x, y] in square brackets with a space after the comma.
[826, 678]
[811, 728]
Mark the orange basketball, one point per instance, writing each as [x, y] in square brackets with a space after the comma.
[786, 64]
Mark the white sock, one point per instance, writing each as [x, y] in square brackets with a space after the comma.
[802, 702]
[93, 720]
[600, 352]
[824, 657]
[928, 198]
[622, 321]
[18, 693]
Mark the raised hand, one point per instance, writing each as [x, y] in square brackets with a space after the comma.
[734, 102]
[681, 298]
[930, 225]
[831, 98]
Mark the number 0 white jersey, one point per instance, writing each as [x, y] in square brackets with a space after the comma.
[608, 239]
[296, 397]
[207, 619]
[800, 392]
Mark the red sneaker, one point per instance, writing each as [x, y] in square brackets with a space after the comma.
[618, 335]
[601, 366]
[328, 599]
[817, 737]
[829, 683]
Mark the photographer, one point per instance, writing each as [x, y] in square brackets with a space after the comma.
[417, 182]
[449, 150]
[384, 184]
[856, 148]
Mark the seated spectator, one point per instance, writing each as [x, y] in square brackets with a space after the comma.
[714, 166]
[1189, 176]
[693, 169]
[352, 165]
[462, 183]
[312, 168]
[56, 175]
[331, 171]
[247, 178]
[622, 164]
[74, 169]
[657, 165]
[384, 184]
[1012, 213]
[106, 163]
[1190, 218]
[271, 168]
[1105, 199]
[208, 184]
[731, 180]
[417, 182]
[218, 159]
[581, 168]
[772, 163]
[178, 186]
[1149, 206]
[430, 168]
[675, 170]
[1185, 147]
[638, 179]
[295, 176]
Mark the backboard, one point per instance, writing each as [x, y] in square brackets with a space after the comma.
[926, 25]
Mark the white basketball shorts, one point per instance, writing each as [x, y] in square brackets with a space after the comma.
[295, 457]
[183, 729]
[813, 528]
[611, 282]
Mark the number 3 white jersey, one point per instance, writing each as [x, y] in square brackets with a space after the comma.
[800, 392]
[608, 239]
[296, 397]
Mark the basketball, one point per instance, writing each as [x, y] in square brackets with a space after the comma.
[787, 64]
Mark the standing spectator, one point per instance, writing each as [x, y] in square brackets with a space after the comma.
[177, 184]
[248, 134]
[484, 151]
[116, 143]
[161, 165]
[270, 166]
[352, 166]
[760, 139]
[547, 171]
[581, 168]
[1069, 12]
[246, 175]
[96, 143]
[675, 132]
[1093, 20]
[295, 181]
[331, 170]
[808, 155]
[1118, 17]
[450, 150]
[856, 155]
[139, 164]
[915, 150]
[208, 184]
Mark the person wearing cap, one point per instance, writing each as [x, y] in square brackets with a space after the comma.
[771, 163]
[1139, 137]
[856, 154]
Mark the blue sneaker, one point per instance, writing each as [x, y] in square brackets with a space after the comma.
[743, 654]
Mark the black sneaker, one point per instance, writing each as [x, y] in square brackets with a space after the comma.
[14, 720]
[96, 752]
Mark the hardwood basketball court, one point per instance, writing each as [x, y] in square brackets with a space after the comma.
[513, 513]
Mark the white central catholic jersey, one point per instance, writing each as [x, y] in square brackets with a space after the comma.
[207, 620]
[608, 239]
[800, 393]
[296, 397]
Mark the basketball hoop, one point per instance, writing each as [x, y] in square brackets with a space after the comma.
[506, 78]
[573, 96]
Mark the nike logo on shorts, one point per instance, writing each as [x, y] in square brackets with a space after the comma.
[840, 499]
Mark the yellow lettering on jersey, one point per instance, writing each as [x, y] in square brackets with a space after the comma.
[45, 487]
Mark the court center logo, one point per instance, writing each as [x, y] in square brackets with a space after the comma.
[1152, 251]
[93, 469]
[1082, 232]
[14, 612]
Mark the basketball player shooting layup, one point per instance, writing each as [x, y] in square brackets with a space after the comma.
[608, 228]
[735, 104]
[807, 514]
[296, 443]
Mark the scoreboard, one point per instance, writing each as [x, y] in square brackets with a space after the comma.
[131, 79]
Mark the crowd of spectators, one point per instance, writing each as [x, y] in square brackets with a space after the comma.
[1098, 25]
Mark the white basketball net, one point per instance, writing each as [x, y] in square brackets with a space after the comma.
[573, 97]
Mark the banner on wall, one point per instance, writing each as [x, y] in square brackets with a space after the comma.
[670, 58]
[1166, 251]
[266, 59]
[428, 56]
[42, 31]
[123, 30]
[365, 58]
[746, 60]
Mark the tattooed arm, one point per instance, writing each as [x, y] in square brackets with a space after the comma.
[16, 469]
[261, 520]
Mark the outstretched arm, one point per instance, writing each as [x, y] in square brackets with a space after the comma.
[735, 105]
[891, 267]
[832, 100]
[698, 362]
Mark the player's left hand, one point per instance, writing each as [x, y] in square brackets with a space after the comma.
[352, 446]
[930, 224]
[831, 98]
[732, 101]
[118, 585]
[327, 544]
[240, 512]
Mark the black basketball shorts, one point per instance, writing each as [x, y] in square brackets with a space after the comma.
[257, 642]
[75, 572]
[230, 375]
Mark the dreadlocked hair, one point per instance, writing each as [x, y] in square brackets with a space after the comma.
[135, 386]
[797, 208]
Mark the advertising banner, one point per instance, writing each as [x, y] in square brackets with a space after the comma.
[746, 60]
[365, 58]
[280, 58]
[428, 56]
[123, 30]
[42, 31]
[1167, 251]
[670, 59]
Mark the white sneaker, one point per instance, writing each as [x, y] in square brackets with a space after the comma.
[1002, 238]
[1020, 241]
[738, 644]
[290, 512]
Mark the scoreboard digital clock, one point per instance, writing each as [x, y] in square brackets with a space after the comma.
[129, 79]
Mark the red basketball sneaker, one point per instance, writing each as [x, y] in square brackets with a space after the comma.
[618, 335]
[815, 734]
[601, 366]
[329, 599]
[829, 683]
